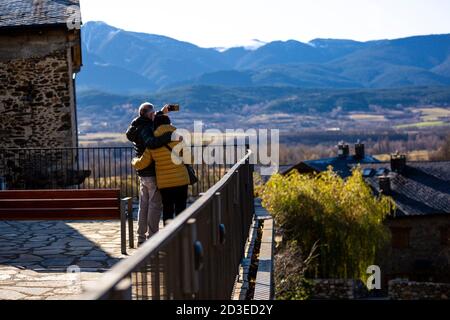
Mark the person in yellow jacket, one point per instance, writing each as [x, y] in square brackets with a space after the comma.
[172, 179]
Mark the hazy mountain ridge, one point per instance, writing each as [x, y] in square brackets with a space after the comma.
[285, 108]
[201, 99]
[145, 62]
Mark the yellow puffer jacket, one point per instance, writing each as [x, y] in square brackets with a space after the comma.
[168, 174]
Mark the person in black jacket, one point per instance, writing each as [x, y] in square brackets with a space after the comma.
[140, 133]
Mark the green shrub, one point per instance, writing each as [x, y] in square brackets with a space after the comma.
[342, 216]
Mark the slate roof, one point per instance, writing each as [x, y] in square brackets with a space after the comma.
[21, 13]
[342, 165]
[422, 189]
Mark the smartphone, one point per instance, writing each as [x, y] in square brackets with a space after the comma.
[174, 107]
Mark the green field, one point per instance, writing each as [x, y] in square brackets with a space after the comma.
[424, 124]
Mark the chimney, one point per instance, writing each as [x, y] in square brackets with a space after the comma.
[359, 150]
[398, 162]
[343, 150]
[384, 184]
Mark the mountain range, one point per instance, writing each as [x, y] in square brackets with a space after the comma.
[122, 62]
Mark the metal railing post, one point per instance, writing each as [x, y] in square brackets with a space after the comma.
[122, 291]
[123, 227]
[237, 189]
[216, 218]
[190, 274]
[130, 222]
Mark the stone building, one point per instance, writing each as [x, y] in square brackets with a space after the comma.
[420, 226]
[40, 53]
[419, 249]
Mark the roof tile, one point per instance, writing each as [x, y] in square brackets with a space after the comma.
[422, 189]
[16, 13]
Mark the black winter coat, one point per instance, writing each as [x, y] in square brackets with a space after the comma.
[140, 133]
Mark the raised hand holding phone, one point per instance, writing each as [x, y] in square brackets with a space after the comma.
[170, 108]
[174, 107]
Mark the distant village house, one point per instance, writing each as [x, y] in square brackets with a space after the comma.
[420, 226]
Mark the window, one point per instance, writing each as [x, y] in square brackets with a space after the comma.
[445, 235]
[381, 172]
[368, 172]
[400, 237]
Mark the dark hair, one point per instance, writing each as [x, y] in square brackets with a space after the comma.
[160, 119]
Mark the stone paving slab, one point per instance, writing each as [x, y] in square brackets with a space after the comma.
[35, 257]
[263, 286]
[264, 276]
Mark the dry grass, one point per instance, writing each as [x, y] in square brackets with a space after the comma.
[432, 114]
[102, 137]
[113, 138]
[416, 155]
[367, 117]
[424, 124]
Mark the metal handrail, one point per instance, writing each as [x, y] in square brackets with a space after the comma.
[91, 168]
[120, 147]
[121, 271]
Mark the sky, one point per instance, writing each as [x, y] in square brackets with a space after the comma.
[229, 23]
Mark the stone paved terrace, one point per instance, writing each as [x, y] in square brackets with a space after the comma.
[35, 255]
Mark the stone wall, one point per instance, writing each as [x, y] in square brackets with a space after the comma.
[338, 289]
[404, 290]
[36, 106]
[426, 258]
